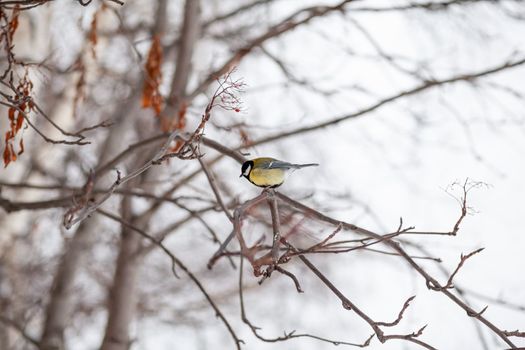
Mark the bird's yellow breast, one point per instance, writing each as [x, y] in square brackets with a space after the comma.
[266, 177]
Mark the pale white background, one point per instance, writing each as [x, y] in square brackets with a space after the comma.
[389, 163]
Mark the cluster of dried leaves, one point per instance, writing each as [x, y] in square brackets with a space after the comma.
[16, 114]
[20, 103]
[151, 96]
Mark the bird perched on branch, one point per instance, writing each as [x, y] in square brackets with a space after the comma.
[268, 172]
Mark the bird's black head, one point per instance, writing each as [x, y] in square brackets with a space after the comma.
[246, 168]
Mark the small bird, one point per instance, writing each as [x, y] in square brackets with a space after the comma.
[268, 172]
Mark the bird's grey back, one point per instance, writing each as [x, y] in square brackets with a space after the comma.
[279, 164]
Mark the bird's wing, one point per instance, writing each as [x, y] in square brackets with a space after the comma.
[278, 164]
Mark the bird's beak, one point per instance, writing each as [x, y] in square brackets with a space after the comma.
[240, 175]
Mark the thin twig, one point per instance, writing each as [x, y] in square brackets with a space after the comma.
[69, 221]
[213, 185]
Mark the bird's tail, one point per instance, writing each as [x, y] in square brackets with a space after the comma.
[298, 166]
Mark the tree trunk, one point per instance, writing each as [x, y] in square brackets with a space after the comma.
[58, 311]
[122, 296]
[60, 306]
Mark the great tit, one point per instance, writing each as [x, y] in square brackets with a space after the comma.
[268, 172]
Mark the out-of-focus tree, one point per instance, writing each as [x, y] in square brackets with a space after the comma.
[124, 124]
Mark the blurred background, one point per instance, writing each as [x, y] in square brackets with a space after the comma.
[396, 100]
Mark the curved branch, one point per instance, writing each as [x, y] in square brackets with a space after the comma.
[397, 248]
[300, 17]
[425, 86]
[176, 262]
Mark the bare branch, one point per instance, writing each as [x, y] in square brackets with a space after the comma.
[463, 258]
[427, 6]
[276, 225]
[20, 329]
[515, 333]
[300, 17]
[178, 262]
[213, 185]
[69, 220]
[241, 9]
[400, 316]
[349, 305]
[397, 248]
[12, 206]
[287, 335]
[469, 77]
